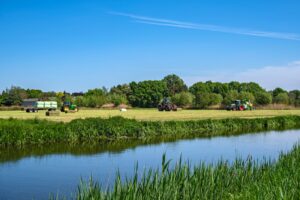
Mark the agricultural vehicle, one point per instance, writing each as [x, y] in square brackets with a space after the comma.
[34, 105]
[240, 105]
[69, 107]
[166, 105]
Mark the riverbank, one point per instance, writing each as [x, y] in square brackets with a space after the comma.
[16, 132]
[242, 180]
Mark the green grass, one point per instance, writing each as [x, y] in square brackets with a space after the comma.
[241, 180]
[22, 132]
[150, 114]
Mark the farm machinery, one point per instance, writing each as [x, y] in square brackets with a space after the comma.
[240, 105]
[166, 105]
[69, 107]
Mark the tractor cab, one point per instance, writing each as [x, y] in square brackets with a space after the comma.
[69, 107]
[166, 105]
[240, 105]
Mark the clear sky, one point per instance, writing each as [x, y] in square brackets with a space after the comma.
[76, 45]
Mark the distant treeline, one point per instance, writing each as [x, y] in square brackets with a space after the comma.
[148, 94]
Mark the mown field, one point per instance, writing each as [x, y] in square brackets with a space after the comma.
[151, 114]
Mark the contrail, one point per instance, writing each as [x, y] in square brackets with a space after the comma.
[207, 27]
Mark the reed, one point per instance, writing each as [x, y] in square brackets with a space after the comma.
[16, 132]
[240, 180]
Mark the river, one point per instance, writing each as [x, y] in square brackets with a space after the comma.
[34, 173]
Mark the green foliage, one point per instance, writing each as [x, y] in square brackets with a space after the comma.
[32, 93]
[147, 94]
[117, 99]
[246, 95]
[22, 132]
[294, 97]
[281, 98]
[13, 96]
[263, 98]
[95, 92]
[239, 180]
[277, 91]
[174, 84]
[199, 87]
[183, 99]
[121, 90]
[202, 100]
[230, 97]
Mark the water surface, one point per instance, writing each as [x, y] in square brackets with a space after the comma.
[34, 173]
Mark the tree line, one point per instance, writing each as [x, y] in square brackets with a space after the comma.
[149, 93]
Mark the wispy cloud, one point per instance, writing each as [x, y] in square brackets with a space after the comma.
[207, 27]
[269, 77]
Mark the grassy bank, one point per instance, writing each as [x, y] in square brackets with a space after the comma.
[242, 180]
[22, 132]
[149, 114]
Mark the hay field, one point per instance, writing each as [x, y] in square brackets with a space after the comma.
[150, 114]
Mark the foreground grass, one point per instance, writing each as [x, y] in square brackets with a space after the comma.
[23, 132]
[150, 114]
[242, 180]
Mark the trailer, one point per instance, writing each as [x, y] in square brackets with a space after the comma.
[34, 105]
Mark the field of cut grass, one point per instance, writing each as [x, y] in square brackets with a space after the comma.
[150, 114]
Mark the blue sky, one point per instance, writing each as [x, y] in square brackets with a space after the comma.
[76, 45]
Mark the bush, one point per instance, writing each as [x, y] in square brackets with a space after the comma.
[263, 98]
[184, 99]
[117, 99]
[281, 98]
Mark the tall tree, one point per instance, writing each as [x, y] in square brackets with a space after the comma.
[174, 84]
[147, 93]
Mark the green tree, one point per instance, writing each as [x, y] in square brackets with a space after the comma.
[263, 98]
[123, 89]
[277, 91]
[95, 92]
[174, 84]
[234, 85]
[251, 87]
[147, 93]
[183, 99]
[215, 99]
[230, 96]
[294, 97]
[33, 93]
[198, 88]
[281, 98]
[13, 96]
[94, 98]
[117, 99]
[246, 95]
[202, 100]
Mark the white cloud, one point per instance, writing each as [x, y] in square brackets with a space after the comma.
[269, 77]
[207, 27]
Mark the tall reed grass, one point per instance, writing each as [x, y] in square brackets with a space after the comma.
[21, 132]
[240, 180]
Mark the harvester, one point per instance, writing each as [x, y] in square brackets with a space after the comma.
[69, 107]
[166, 105]
[240, 105]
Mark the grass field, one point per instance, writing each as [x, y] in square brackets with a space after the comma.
[151, 114]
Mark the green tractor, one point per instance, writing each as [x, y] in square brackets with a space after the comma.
[240, 105]
[69, 107]
[166, 105]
